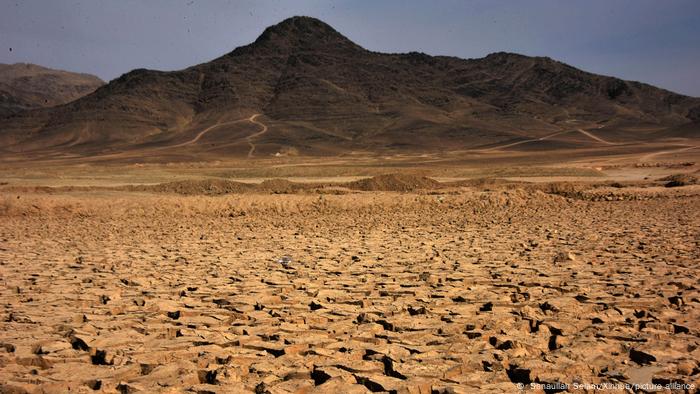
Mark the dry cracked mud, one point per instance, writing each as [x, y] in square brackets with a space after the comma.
[365, 292]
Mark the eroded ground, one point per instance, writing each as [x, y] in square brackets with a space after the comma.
[400, 292]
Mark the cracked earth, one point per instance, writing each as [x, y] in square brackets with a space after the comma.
[364, 292]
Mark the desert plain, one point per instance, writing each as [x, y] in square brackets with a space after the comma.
[400, 275]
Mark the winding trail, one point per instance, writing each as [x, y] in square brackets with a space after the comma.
[546, 137]
[202, 133]
[525, 141]
[249, 139]
[663, 152]
[255, 135]
[590, 135]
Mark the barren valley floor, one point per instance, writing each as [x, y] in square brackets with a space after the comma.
[453, 290]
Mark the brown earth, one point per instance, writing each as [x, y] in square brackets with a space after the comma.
[456, 286]
[676, 180]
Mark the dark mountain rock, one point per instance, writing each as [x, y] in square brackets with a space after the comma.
[27, 86]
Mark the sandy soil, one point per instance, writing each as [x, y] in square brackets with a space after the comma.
[427, 291]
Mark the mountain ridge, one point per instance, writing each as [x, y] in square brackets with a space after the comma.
[29, 86]
[321, 94]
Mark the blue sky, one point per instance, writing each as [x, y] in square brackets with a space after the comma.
[657, 42]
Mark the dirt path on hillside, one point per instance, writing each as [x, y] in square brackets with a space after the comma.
[582, 131]
[663, 152]
[590, 135]
[203, 132]
[546, 137]
[255, 135]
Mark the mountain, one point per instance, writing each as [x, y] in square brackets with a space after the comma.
[302, 87]
[28, 86]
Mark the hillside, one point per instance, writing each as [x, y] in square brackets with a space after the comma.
[28, 86]
[318, 93]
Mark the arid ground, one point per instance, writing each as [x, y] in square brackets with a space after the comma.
[445, 277]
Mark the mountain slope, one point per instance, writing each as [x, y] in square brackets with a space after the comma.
[27, 86]
[319, 93]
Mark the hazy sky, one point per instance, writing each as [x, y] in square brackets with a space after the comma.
[657, 42]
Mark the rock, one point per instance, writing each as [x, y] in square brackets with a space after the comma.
[364, 318]
[292, 386]
[53, 346]
[177, 374]
[377, 382]
[416, 311]
[564, 257]
[518, 374]
[340, 385]
[102, 357]
[641, 357]
[687, 367]
[416, 386]
[459, 298]
[298, 348]
[229, 388]
[272, 348]
[676, 301]
[558, 342]
[322, 374]
[130, 388]
[284, 260]
[679, 329]
[547, 306]
[461, 370]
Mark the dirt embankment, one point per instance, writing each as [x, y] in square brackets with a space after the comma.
[193, 187]
[394, 183]
[400, 183]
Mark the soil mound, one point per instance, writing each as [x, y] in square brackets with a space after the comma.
[209, 187]
[485, 183]
[677, 180]
[394, 183]
[280, 186]
[564, 189]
